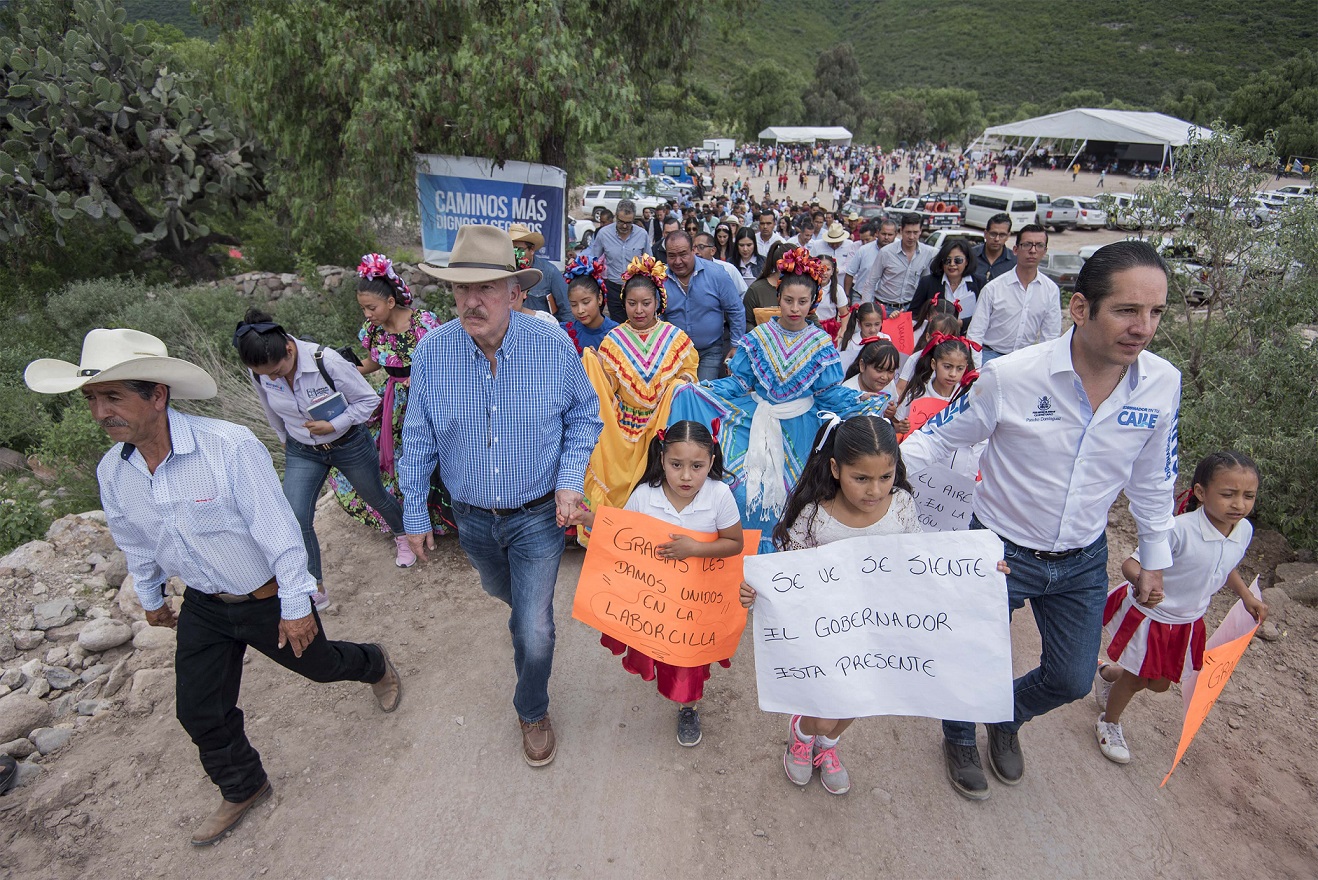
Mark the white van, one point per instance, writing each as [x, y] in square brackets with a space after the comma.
[982, 202]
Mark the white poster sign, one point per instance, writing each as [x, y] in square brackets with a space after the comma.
[902, 625]
[943, 498]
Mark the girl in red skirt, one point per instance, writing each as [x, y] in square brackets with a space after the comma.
[1155, 637]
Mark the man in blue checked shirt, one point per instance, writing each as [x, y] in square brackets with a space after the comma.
[500, 401]
[199, 499]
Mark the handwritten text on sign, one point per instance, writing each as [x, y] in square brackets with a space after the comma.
[902, 625]
[683, 612]
[943, 499]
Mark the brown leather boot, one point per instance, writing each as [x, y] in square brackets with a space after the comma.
[389, 689]
[227, 817]
[538, 745]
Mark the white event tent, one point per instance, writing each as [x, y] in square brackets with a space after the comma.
[833, 135]
[1127, 133]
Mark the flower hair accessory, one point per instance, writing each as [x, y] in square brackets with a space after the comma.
[651, 268]
[798, 261]
[713, 428]
[380, 266]
[661, 436]
[833, 420]
[938, 339]
[583, 265]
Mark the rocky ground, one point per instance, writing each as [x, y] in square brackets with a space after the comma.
[111, 786]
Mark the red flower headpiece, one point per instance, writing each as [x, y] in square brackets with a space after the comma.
[798, 261]
[583, 265]
[380, 266]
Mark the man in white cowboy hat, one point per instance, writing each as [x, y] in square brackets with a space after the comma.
[501, 402]
[199, 499]
[549, 294]
[836, 243]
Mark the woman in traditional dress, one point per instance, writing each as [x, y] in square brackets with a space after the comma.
[635, 371]
[784, 373]
[390, 334]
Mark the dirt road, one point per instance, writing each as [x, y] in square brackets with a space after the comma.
[439, 789]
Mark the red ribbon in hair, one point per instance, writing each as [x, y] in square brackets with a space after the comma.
[868, 339]
[713, 428]
[939, 338]
[968, 377]
[1183, 501]
[956, 303]
[660, 435]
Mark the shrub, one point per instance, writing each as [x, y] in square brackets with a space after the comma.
[21, 520]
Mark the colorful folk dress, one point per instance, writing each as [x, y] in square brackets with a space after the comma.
[393, 351]
[781, 380]
[634, 373]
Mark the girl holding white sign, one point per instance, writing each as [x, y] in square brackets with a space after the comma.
[1155, 637]
[853, 484]
[682, 485]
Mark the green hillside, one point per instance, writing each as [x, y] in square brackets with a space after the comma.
[172, 12]
[1014, 53]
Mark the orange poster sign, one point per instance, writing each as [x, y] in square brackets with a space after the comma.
[1219, 663]
[683, 612]
[901, 330]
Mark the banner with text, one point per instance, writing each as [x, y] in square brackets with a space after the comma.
[683, 612]
[459, 190]
[901, 625]
[944, 499]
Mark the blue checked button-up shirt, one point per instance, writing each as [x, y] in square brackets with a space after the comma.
[503, 437]
[213, 514]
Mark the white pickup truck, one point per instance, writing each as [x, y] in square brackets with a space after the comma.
[1057, 217]
[929, 219]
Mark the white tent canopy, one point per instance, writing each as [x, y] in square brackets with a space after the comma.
[1084, 125]
[791, 134]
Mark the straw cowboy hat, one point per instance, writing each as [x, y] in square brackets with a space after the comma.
[520, 232]
[836, 233]
[121, 356]
[480, 254]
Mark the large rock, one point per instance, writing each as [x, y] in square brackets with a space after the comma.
[151, 687]
[154, 638]
[1303, 590]
[114, 569]
[21, 714]
[81, 533]
[51, 739]
[61, 679]
[56, 612]
[66, 633]
[30, 556]
[104, 633]
[127, 600]
[1286, 572]
[27, 639]
[17, 748]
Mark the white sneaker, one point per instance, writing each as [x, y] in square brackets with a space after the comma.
[321, 600]
[1102, 687]
[1112, 741]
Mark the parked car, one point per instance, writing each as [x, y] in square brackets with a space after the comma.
[581, 232]
[929, 219]
[1126, 211]
[1063, 269]
[1060, 217]
[596, 199]
[939, 236]
[1252, 210]
[1089, 213]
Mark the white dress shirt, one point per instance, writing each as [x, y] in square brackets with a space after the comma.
[1202, 559]
[735, 274]
[862, 264]
[286, 408]
[842, 254]
[762, 247]
[1010, 315]
[1053, 466]
[213, 514]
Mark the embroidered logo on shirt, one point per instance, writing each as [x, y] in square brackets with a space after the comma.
[1044, 412]
[1137, 417]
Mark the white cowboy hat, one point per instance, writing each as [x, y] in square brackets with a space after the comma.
[520, 232]
[836, 233]
[482, 253]
[121, 356]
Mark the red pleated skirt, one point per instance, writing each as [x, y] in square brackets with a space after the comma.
[1147, 647]
[681, 684]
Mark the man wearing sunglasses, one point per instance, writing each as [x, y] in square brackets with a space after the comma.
[1020, 307]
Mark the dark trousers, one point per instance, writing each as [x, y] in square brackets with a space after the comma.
[208, 669]
[613, 300]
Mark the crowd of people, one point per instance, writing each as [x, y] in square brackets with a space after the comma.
[684, 389]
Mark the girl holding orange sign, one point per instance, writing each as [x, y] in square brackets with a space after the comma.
[683, 485]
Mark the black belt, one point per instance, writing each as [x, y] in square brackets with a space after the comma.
[333, 444]
[509, 511]
[1052, 555]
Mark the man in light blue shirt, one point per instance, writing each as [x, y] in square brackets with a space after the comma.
[619, 243]
[501, 402]
[199, 499]
[703, 302]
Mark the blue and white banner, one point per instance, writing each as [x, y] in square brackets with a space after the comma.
[458, 190]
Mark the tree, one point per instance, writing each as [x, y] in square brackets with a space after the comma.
[1198, 102]
[905, 116]
[96, 125]
[953, 114]
[836, 96]
[765, 94]
[346, 93]
[1283, 99]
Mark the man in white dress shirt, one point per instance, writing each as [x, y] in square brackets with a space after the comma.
[199, 499]
[835, 243]
[1069, 424]
[1020, 307]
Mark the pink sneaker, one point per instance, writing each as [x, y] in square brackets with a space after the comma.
[798, 759]
[405, 558]
[832, 774]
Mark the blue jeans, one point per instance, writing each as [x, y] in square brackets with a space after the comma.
[987, 355]
[517, 558]
[711, 362]
[305, 470]
[1067, 598]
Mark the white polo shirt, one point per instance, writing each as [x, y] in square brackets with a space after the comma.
[1202, 559]
[842, 254]
[1053, 466]
[1010, 315]
[713, 508]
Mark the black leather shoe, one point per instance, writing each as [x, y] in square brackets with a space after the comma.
[1005, 755]
[964, 770]
[8, 772]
